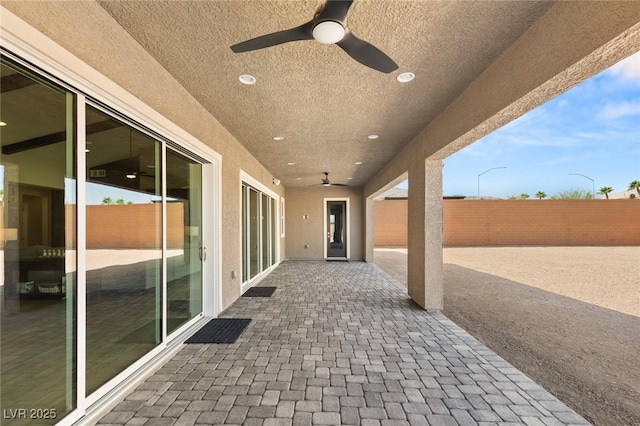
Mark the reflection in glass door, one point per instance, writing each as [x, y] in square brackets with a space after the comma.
[185, 251]
[254, 232]
[124, 246]
[37, 248]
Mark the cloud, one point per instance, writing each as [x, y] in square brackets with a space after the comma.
[627, 69]
[622, 109]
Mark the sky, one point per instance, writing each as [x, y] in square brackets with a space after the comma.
[592, 129]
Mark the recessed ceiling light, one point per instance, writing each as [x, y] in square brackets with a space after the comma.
[358, 163]
[247, 79]
[373, 136]
[2, 124]
[298, 178]
[278, 138]
[290, 163]
[405, 77]
[87, 150]
[131, 175]
[349, 178]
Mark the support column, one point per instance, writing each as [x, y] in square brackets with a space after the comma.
[368, 233]
[425, 280]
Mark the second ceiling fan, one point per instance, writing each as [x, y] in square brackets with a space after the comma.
[328, 26]
[327, 182]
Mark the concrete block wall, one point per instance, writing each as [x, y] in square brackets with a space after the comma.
[390, 218]
[520, 222]
[129, 226]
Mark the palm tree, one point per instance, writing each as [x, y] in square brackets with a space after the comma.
[524, 196]
[635, 185]
[605, 190]
[540, 195]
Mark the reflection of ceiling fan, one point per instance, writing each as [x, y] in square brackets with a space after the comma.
[328, 26]
[326, 182]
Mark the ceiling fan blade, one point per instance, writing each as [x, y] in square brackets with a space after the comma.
[367, 54]
[303, 32]
[334, 10]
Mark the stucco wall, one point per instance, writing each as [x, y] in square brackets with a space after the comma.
[519, 222]
[99, 42]
[310, 202]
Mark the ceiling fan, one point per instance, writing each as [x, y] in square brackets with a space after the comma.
[327, 182]
[328, 26]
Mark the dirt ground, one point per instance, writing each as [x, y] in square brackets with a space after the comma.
[568, 317]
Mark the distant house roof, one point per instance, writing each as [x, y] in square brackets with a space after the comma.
[623, 194]
[403, 194]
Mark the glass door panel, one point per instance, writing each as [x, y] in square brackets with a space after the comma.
[245, 257]
[37, 246]
[264, 223]
[184, 233]
[254, 232]
[274, 234]
[124, 246]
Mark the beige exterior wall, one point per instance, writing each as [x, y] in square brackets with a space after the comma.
[519, 222]
[310, 202]
[98, 43]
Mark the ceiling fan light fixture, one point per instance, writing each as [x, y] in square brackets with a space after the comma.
[247, 79]
[328, 32]
[405, 77]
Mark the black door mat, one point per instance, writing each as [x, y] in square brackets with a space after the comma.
[259, 292]
[220, 330]
[337, 259]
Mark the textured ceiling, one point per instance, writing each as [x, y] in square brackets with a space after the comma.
[323, 102]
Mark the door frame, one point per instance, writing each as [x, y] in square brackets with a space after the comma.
[347, 224]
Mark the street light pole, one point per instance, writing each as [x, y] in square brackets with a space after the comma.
[593, 184]
[486, 171]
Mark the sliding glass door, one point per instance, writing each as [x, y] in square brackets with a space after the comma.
[37, 248]
[76, 323]
[258, 232]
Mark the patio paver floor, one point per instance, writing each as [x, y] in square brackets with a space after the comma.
[339, 343]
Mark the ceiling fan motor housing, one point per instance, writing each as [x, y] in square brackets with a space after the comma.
[328, 32]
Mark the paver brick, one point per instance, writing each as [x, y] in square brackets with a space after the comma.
[339, 343]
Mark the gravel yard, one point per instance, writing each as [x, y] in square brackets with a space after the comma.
[569, 317]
